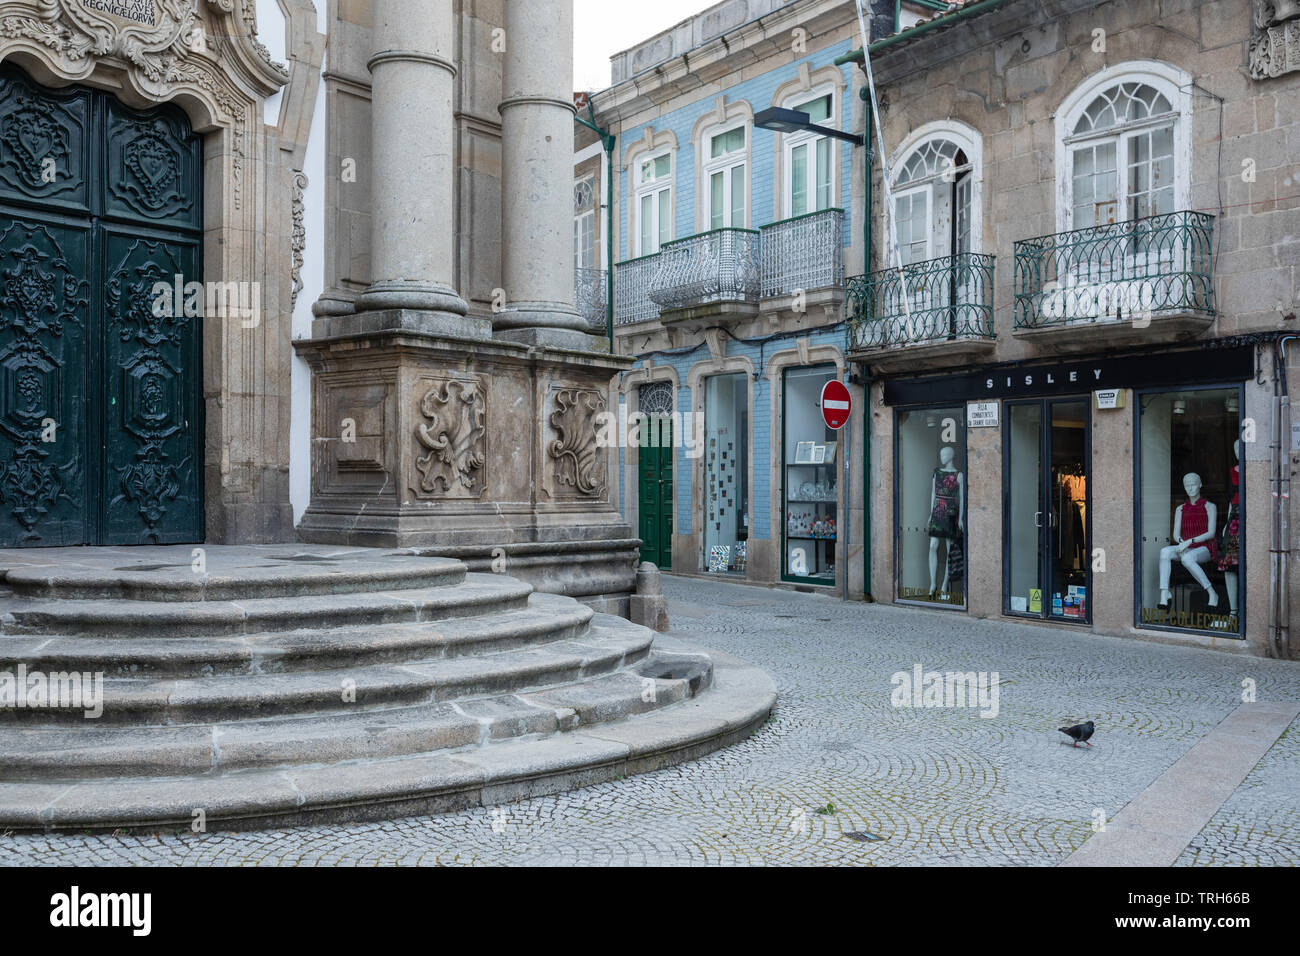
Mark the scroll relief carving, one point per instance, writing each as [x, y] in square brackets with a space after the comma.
[574, 451]
[454, 440]
[1275, 38]
[298, 237]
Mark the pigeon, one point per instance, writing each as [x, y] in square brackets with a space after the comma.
[1079, 733]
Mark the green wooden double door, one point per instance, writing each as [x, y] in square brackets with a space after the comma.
[655, 505]
[100, 383]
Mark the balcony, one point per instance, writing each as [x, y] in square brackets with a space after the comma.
[706, 277]
[803, 254]
[940, 310]
[589, 296]
[632, 302]
[1147, 279]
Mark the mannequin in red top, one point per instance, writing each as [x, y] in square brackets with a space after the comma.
[1194, 531]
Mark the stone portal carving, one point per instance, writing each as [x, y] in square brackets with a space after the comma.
[1275, 38]
[574, 451]
[455, 441]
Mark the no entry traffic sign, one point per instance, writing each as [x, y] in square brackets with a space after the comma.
[836, 403]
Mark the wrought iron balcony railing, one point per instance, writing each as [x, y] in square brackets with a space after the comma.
[717, 266]
[923, 303]
[803, 253]
[1117, 272]
[589, 296]
[632, 302]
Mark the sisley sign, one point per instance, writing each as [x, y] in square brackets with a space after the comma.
[1182, 368]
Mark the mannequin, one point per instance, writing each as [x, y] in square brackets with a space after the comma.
[1194, 530]
[1230, 557]
[947, 521]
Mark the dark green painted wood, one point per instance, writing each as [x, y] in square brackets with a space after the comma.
[655, 497]
[100, 374]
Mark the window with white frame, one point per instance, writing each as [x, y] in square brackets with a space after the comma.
[932, 201]
[809, 160]
[724, 171]
[584, 224]
[1121, 153]
[654, 190]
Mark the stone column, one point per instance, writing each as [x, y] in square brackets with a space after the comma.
[537, 177]
[413, 75]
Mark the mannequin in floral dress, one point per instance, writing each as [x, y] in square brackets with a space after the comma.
[1194, 532]
[947, 522]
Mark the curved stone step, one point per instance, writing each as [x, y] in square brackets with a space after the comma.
[495, 773]
[268, 572]
[545, 618]
[478, 594]
[604, 647]
[74, 753]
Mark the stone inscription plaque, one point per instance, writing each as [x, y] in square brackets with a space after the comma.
[132, 11]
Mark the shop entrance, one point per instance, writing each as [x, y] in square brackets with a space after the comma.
[1047, 564]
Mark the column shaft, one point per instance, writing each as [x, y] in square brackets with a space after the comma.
[412, 87]
[537, 168]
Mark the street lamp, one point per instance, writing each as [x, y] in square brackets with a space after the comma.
[793, 121]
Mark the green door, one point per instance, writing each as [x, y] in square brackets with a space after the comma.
[100, 415]
[655, 495]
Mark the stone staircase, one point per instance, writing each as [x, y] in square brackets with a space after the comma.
[303, 684]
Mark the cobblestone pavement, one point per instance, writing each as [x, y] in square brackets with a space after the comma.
[935, 785]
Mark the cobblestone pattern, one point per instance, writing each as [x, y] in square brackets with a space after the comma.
[1260, 823]
[937, 785]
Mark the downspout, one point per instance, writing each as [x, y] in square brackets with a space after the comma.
[607, 140]
[866, 371]
[1282, 632]
[866, 374]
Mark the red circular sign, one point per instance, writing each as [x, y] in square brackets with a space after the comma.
[837, 403]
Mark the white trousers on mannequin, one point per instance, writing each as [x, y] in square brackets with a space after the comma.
[1191, 559]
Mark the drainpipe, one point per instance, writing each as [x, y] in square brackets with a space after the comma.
[607, 140]
[1280, 603]
[866, 375]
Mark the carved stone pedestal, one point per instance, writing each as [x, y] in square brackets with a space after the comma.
[472, 448]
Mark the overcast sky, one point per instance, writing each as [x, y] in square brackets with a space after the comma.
[603, 27]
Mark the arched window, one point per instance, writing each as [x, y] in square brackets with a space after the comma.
[932, 201]
[1122, 156]
[1124, 146]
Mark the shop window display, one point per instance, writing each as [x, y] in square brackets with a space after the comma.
[726, 473]
[811, 491]
[1191, 527]
[930, 477]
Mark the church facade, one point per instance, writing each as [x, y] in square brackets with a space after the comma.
[281, 270]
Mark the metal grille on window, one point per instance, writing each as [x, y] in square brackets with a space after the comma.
[655, 398]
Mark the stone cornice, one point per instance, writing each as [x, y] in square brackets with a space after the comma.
[715, 58]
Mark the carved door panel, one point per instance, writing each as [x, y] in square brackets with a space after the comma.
[150, 460]
[44, 303]
[100, 416]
